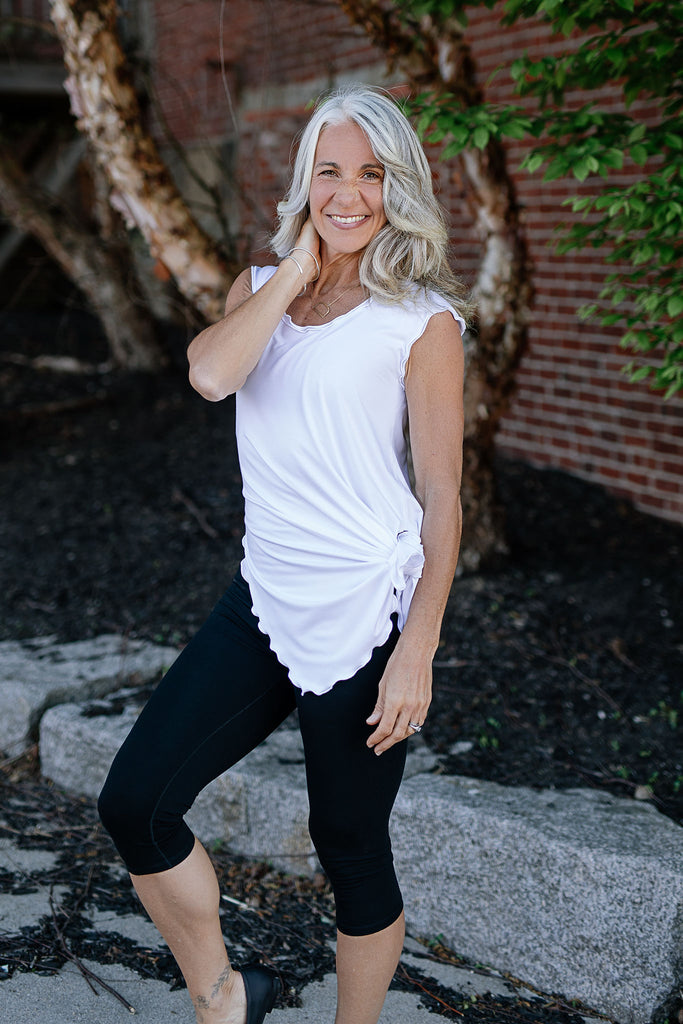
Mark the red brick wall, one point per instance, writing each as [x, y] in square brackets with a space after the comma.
[573, 409]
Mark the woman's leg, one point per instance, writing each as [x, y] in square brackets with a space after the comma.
[351, 793]
[365, 967]
[224, 694]
[183, 902]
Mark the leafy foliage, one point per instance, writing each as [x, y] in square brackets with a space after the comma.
[634, 48]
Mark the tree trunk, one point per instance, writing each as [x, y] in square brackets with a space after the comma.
[104, 101]
[436, 57]
[88, 263]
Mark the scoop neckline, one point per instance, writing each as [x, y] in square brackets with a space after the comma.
[328, 323]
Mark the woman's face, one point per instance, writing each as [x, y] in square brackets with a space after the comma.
[346, 190]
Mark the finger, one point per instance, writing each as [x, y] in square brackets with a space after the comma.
[401, 731]
[376, 715]
[391, 730]
[384, 728]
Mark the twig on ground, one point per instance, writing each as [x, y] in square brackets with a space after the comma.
[566, 663]
[89, 975]
[418, 984]
[9, 762]
[30, 411]
[57, 364]
[616, 646]
[202, 521]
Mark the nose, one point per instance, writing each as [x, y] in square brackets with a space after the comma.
[347, 189]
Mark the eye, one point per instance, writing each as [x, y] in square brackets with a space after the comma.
[372, 176]
[327, 172]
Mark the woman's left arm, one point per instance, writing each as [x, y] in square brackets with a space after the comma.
[434, 391]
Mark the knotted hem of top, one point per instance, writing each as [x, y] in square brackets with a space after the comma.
[404, 567]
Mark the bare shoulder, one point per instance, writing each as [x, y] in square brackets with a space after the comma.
[240, 290]
[439, 349]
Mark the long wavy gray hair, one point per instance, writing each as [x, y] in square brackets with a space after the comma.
[412, 247]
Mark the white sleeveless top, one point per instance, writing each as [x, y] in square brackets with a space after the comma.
[332, 530]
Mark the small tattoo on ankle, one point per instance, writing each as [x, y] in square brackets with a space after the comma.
[200, 1003]
[222, 978]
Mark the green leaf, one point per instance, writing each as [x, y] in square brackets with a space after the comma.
[581, 169]
[516, 129]
[579, 203]
[532, 162]
[452, 149]
[460, 133]
[480, 136]
[639, 154]
[613, 158]
[424, 121]
[675, 305]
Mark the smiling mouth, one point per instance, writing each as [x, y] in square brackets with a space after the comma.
[338, 219]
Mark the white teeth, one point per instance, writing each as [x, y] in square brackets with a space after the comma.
[347, 220]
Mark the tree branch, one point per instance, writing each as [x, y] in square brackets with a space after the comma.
[104, 101]
[87, 262]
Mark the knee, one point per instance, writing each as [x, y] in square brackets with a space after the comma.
[345, 843]
[330, 835]
[110, 807]
[359, 864]
[123, 805]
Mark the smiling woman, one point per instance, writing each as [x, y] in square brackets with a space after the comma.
[413, 245]
[338, 604]
[345, 198]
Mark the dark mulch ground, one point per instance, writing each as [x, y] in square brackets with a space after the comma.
[562, 668]
[121, 512]
[284, 921]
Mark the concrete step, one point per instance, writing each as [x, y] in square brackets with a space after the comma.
[37, 674]
[576, 892]
[65, 996]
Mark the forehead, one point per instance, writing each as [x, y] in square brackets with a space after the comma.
[344, 143]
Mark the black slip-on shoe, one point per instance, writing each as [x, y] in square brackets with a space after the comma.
[262, 986]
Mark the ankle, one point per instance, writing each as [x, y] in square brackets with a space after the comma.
[226, 1003]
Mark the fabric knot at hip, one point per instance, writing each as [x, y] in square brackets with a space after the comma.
[407, 559]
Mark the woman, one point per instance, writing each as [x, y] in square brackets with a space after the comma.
[338, 605]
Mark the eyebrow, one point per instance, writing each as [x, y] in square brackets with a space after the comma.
[332, 163]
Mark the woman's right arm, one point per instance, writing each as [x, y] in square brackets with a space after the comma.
[222, 356]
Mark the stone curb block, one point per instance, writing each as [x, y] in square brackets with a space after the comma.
[259, 808]
[38, 674]
[576, 892]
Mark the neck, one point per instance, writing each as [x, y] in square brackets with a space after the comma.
[336, 273]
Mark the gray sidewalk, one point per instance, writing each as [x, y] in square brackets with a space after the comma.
[576, 892]
[65, 996]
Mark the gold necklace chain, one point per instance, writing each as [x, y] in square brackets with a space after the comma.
[327, 306]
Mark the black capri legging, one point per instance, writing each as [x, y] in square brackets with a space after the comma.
[224, 695]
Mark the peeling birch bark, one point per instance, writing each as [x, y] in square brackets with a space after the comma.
[89, 264]
[437, 58]
[106, 107]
